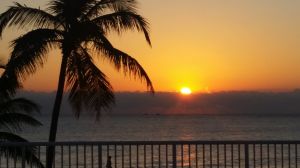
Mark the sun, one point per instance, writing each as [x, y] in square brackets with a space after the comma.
[185, 91]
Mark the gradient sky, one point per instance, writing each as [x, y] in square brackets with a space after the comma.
[207, 45]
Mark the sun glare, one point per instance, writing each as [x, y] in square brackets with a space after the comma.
[185, 91]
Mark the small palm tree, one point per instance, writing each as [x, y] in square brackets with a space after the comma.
[14, 113]
[79, 28]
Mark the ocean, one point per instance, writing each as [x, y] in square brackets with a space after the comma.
[168, 127]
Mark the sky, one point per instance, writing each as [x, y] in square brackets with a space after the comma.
[207, 45]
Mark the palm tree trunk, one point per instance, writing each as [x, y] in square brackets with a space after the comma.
[56, 109]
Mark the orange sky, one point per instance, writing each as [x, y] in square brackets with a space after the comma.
[208, 45]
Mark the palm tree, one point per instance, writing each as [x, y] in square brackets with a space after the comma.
[14, 113]
[78, 28]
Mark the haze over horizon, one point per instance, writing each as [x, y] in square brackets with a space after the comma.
[209, 46]
[167, 103]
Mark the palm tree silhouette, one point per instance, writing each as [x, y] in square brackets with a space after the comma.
[79, 28]
[14, 113]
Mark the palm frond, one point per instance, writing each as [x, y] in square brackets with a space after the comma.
[19, 105]
[83, 32]
[67, 10]
[121, 60]
[89, 88]
[29, 53]
[8, 84]
[100, 7]
[56, 7]
[10, 137]
[123, 20]
[2, 65]
[17, 152]
[15, 121]
[22, 16]
[14, 113]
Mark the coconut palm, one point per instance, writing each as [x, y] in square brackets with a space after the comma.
[14, 113]
[79, 29]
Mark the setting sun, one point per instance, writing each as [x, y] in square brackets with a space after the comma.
[185, 91]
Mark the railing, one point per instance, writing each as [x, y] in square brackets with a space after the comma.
[155, 154]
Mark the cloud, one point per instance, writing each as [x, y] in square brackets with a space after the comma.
[222, 103]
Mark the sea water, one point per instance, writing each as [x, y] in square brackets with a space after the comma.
[166, 128]
[169, 127]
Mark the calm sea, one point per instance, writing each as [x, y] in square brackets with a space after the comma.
[146, 128]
